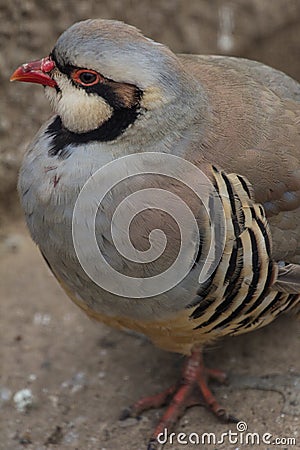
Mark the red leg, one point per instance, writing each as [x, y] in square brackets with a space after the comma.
[151, 402]
[193, 390]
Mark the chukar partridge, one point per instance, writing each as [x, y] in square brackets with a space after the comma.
[128, 108]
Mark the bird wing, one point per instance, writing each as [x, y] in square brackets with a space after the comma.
[279, 82]
[251, 126]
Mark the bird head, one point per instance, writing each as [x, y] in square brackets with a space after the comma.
[104, 74]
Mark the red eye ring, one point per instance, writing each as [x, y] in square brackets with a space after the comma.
[86, 77]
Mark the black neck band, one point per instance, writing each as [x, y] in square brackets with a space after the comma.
[108, 131]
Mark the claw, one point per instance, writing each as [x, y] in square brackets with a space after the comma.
[153, 444]
[126, 413]
[193, 390]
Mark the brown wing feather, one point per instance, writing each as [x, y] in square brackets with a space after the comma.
[252, 127]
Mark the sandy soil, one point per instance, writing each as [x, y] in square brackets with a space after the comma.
[81, 374]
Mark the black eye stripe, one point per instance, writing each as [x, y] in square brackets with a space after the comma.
[126, 109]
[105, 88]
[106, 91]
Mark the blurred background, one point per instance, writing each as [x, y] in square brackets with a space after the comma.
[79, 375]
[265, 30]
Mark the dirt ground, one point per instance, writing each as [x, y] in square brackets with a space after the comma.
[82, 374]
[79, 375]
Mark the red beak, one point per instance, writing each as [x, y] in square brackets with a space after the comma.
[36, 72]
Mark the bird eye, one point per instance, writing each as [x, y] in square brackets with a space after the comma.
[86, 77]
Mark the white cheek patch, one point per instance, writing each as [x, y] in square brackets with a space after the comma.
[79, 111]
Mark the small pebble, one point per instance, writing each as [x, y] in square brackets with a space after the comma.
[54, 400]
[78, 381]
[128, 422]
[41, 319]
[32, 377]
[71, 438]
[23, 400]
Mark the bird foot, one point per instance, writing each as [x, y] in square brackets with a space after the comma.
[192, 390]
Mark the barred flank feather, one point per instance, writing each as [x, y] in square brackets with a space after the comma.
[240, 297]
